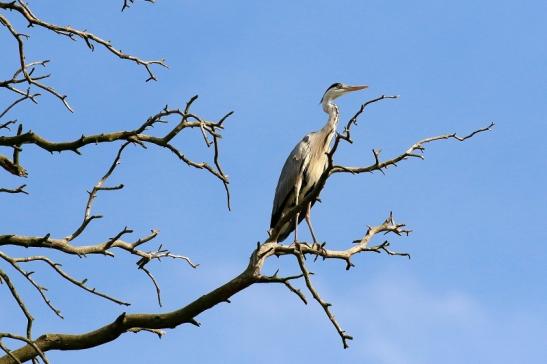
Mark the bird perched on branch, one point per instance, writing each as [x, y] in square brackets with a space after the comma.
[304, 166]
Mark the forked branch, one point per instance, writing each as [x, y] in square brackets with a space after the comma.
[139, 135]
[251, 274]
[20, 189]
[65, 245]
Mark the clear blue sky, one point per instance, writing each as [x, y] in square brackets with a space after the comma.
[475, 289]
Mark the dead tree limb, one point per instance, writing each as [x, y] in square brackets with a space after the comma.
[252, 274]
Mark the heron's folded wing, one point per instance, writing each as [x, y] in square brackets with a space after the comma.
[294, 166]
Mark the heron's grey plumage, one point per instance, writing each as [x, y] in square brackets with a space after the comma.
[301, 171]
[305, 164]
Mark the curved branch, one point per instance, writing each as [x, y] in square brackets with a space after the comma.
[251, 274]
[324, 305]
[31, 344]
[187, 314]
[90, 39]
[8, 353]
[57, 268]
[188, 120]
[28, 276]
[415, 151]
[4, 277]
[129, 322]
[27, 75]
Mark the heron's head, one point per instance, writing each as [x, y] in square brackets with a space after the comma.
[338, 89]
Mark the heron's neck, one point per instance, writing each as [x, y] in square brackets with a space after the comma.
[332, 110]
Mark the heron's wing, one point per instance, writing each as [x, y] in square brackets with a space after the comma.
[294, 166]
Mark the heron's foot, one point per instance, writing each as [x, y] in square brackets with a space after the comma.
[298, 246]
[295, 244]
[320, 250]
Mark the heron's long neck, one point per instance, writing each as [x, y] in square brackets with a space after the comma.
[330, 127]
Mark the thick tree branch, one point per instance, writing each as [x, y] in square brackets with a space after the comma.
[8, 353]
[187, 314]
[27, 75]
[12, 167]
[66, 245]
[130, 322]
[251, 274]
[31, 344]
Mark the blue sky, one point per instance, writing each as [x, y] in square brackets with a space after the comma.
[474, 290]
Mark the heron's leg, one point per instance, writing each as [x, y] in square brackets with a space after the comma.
[297, 193]
[308, 221]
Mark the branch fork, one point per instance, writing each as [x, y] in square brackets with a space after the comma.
[252, 274]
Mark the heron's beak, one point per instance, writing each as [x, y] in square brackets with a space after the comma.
[355, 88]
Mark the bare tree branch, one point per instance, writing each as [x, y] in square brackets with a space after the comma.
[90, 39]
[57, 268]
[8, 353]
[65, 245]
[26, 96]
[154, 282]
[4, 277]
[158, 332]
[325, 305]
[251, 275]
[286, 281]
[415, 151]
[20, 189]
[128, 3]
[28, 276]
[7, 124]
[20, 44]
[11, 167]
[346, 134]
[30, 74]
[93, 194]
[34, 348]
[187, 120]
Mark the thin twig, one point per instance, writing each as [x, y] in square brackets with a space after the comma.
[20, 189]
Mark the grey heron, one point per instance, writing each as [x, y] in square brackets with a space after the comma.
[304, 167]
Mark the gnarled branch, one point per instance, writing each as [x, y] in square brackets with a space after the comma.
[251, 274]
[187, 120]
